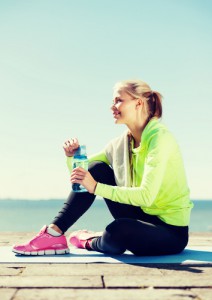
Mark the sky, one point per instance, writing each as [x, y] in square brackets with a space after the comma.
[59, 61]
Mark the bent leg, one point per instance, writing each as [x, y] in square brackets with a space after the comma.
[141, 238]
[78, 203]
[75, 206]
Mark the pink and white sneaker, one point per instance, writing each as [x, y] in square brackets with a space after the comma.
[43, 244]
[81, 238]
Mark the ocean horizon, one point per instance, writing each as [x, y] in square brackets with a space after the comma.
[30, 215]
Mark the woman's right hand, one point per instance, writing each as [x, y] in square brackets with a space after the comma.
[70, 146]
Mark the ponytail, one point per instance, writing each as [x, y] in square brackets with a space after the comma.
[153, 104]
[157, 98]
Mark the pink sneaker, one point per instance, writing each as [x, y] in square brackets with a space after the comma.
[43, 244]
[80, 238]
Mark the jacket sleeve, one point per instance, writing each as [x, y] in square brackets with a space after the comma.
[158, 152]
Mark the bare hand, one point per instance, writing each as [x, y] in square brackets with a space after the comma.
[71, 146]
[83, 177]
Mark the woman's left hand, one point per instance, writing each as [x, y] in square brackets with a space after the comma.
[83, 177]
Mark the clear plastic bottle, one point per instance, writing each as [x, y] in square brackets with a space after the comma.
[80, 160]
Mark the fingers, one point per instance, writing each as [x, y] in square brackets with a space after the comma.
[73, 143]
[78, 174]
[83, 177]
[70, 146]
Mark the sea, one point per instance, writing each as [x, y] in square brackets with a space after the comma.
[31, 215]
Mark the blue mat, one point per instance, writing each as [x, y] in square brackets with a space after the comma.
[191, 255]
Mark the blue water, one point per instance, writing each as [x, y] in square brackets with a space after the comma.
[31, 215]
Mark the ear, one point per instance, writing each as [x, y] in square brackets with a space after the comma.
[139, 103]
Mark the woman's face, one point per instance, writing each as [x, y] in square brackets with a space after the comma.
[124, 108]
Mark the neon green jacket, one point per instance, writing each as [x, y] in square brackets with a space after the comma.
[159, 184]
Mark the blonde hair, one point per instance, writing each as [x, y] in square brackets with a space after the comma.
[140, 89]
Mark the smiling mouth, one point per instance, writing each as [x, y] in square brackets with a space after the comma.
[116, 114]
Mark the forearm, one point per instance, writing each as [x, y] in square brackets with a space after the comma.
[136, 196]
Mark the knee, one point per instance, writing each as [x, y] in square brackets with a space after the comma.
[102, 172]
[114, 226]
[118, 229]
[110, 245]
[112, 241]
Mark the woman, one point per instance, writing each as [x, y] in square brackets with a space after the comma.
[141, 177]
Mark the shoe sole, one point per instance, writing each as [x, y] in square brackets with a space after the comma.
[43, 252]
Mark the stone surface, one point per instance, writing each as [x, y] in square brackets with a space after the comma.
[202, 294]
[88, 269]
[104, 294]
[51, 281]
[105, 281]
[182, 276]
[7, 294]
[176, 281]
[9, 270]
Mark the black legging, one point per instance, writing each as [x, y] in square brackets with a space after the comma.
[132, 229]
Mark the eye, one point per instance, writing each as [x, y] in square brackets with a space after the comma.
[117, 100]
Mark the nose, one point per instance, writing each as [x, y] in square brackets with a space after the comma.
[113, 107]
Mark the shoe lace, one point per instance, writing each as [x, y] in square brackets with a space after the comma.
[38, 234]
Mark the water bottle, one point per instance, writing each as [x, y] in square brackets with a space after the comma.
[80, 160]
